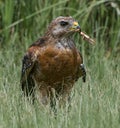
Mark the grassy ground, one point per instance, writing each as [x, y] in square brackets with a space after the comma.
[96, 103]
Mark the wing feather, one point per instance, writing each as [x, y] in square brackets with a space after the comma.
[81, 70]
[27, 82]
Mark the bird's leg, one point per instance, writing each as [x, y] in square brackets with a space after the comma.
[64, 95]
[44, 95]
[48, 97]
[53, 100]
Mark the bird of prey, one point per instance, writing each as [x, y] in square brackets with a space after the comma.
[53, 64]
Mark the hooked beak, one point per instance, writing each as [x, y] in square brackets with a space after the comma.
[75, 26]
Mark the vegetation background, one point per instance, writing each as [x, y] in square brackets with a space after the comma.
[96, 103]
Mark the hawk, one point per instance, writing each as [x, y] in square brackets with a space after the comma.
[53, 64]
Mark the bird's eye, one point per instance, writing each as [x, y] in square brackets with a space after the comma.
[63, 23]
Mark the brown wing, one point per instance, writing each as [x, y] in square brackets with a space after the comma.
[81, 72]
[27, 82]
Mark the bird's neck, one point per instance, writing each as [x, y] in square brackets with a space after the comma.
[65, 42]
[54, 39]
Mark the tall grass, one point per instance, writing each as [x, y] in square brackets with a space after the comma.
[95, 104]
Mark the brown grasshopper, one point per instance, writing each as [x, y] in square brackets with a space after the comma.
[86, 37]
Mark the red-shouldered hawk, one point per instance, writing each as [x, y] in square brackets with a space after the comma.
[53, 63]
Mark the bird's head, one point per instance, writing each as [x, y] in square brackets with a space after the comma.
[63, 26]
